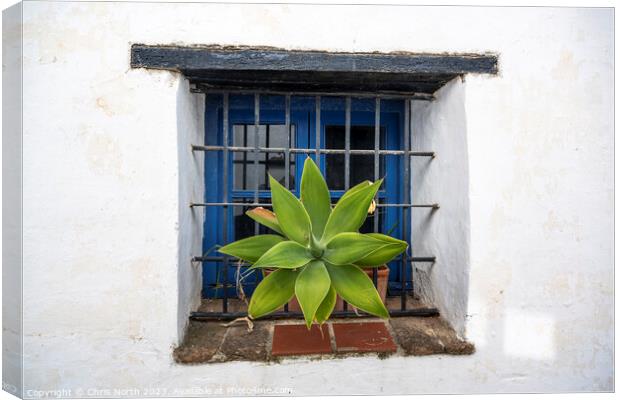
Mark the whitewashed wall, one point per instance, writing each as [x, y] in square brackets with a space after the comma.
[11, 201]
[441, 126]
[106, 285]
[190, 130]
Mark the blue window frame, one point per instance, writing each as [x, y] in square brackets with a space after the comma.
[253, 129]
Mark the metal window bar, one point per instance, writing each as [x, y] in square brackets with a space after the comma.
[287, 130]
[266, 160]
[377, 152]
[245, 157]
[236, 261]
[376, 172]
[347, 157]
[317, 147]
[225, 207]
[246, 204]
[196, 147]
[217, 316]
[256, 139]
[287, 155]
[203, 88]
[406, 195]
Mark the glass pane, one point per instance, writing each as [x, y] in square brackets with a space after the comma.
[334, 163]
[246, 172]
[362, 166]
[244, 225]
[243, 162]
[275, 162]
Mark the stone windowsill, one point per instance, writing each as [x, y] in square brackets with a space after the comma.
[213, 342]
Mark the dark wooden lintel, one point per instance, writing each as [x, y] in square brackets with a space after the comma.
[216, 58]
[303, 71]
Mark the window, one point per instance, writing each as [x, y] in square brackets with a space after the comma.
[250, 135]
[267, 109]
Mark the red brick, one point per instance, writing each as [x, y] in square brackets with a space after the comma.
[363, 337]
[293, 340]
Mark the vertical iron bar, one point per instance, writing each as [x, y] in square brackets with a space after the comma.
[347, 143]
[266, 175]
[318, 129]
[406, 197]
[376, 172]
[256, 128]
[287, 153]
[287, 129]
[225, 197]
[347, 154]
[245, 157]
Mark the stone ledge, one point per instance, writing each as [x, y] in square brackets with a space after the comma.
[428, 336]
[213, 342]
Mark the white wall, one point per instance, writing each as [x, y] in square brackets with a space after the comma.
[11, 200]
[103, 195]
[190, 130]
[440, 126]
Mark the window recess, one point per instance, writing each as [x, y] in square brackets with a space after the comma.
[267, 109]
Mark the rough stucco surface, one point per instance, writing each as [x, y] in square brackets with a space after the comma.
[103, 213]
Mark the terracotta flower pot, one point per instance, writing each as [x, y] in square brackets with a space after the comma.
[383, 272]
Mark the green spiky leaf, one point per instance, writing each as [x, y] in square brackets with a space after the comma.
[289, 255]
[356, 188]
[327, 306]
[252, 248]
[265, 217]
[315, 197]
[292, 216]
[275, 290]
[384, 254]
[348, 247]
[355, 287]
[311, 287]
[350, 211]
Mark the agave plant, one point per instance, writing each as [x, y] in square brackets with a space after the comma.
[318, 251]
